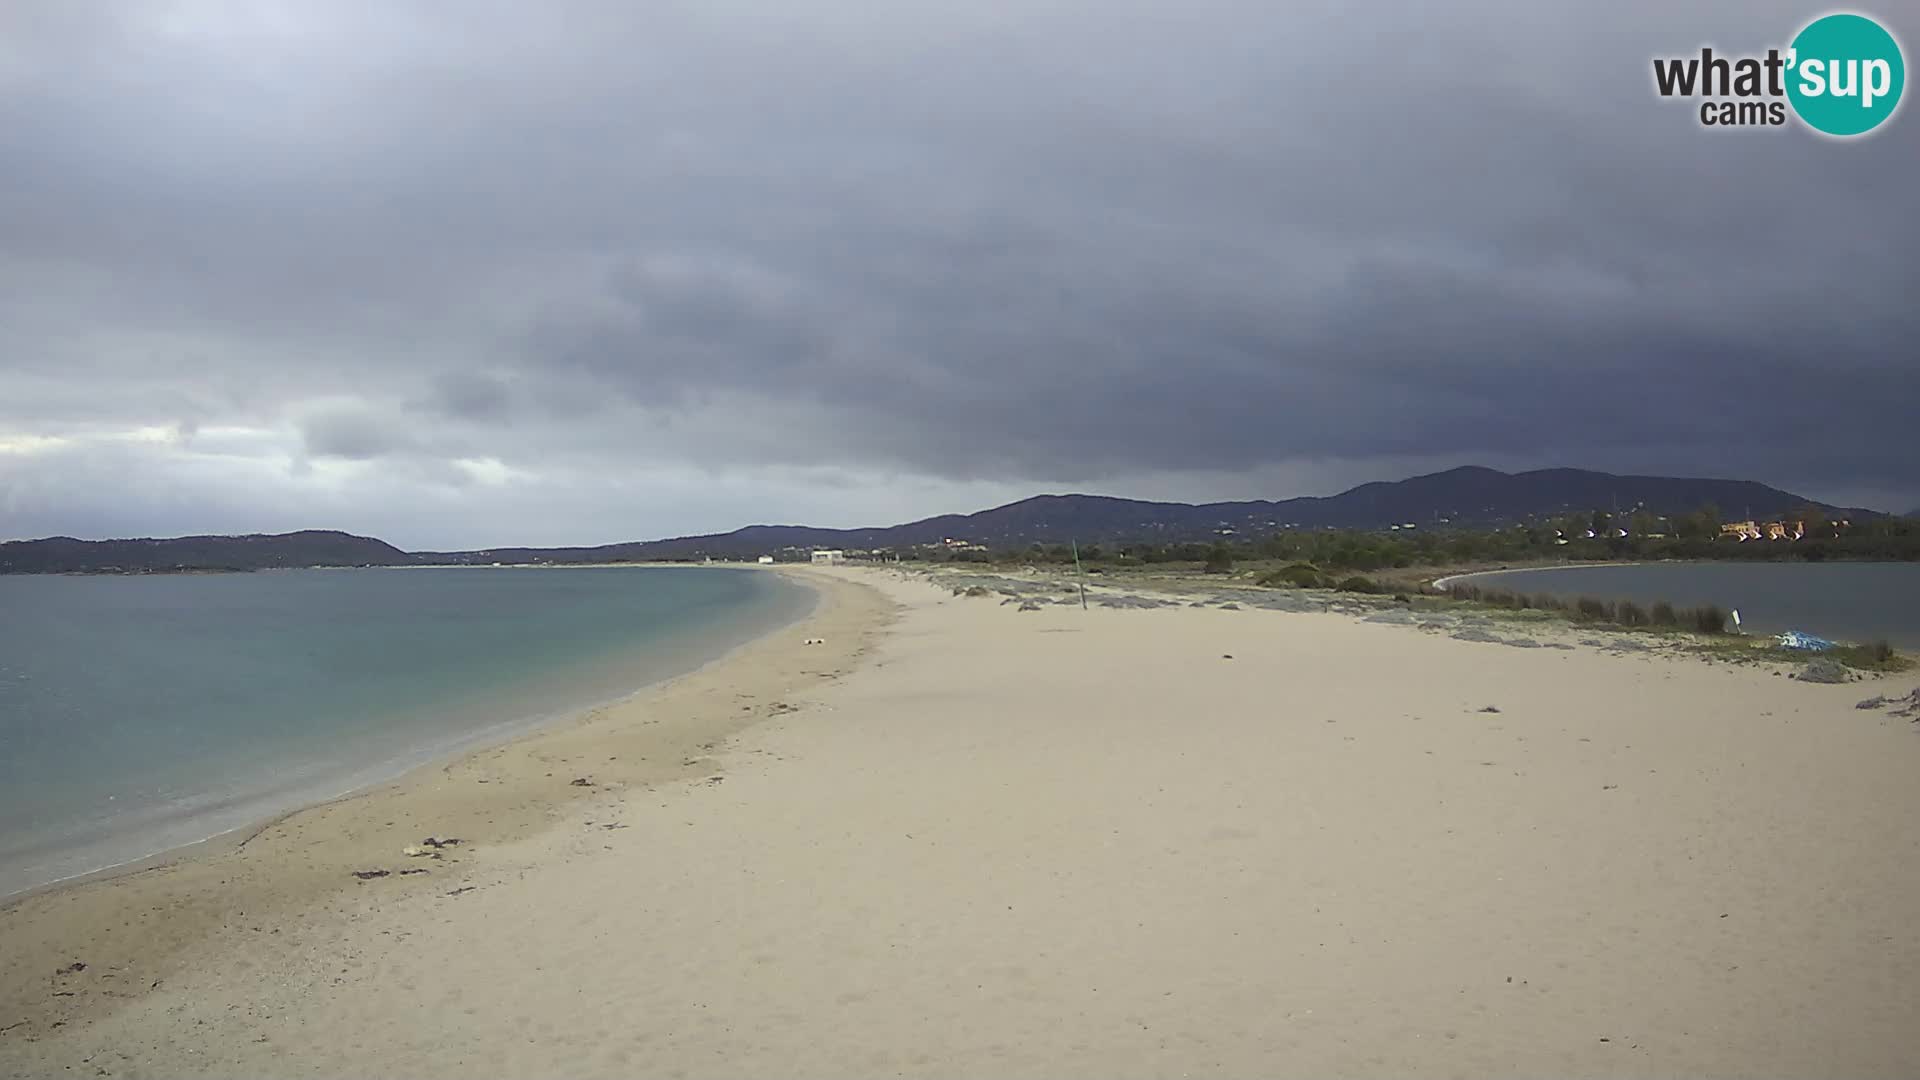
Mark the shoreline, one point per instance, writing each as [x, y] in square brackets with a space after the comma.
[194, 876]
[398, 771]
[189, 571]
[1192, 838]
[1443, 582]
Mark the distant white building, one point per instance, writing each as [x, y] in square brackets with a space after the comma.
[766, 560]
[829, 556]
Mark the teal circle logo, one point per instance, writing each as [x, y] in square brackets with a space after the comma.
[1845, 74]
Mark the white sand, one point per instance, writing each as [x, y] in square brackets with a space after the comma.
[1083, 843]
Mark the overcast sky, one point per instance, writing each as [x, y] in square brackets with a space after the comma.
[474, 273]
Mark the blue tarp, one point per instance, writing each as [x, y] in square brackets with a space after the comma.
[1794, 639]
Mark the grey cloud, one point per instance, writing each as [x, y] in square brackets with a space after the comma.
[469, 395]
[354, 434]
[951, 245]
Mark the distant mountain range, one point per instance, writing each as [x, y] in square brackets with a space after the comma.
[1464, 497]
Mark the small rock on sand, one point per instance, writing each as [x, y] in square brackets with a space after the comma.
[1825, 671]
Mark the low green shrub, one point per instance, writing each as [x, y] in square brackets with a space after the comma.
[1588, 607]
[1296, 575]
[1875, 656]
[1711, 619]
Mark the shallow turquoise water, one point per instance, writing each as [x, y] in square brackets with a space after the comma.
[142, 713]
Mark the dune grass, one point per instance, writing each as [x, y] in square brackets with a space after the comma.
[1708, 621]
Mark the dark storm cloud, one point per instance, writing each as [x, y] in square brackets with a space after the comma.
[936, 243]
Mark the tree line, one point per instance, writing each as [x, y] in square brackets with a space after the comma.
[1588, 536]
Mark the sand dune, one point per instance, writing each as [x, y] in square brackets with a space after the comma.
[1066, 842]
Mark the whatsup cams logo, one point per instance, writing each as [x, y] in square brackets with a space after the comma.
[1842, 75]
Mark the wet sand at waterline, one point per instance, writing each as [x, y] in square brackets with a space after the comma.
[960, 839]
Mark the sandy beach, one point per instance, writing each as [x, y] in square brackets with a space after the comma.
[962, 839]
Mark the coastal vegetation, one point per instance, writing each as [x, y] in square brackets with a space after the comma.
[1219, 560]
[1625, 538]
[1874, 657]
[1467, 609]
[1707, 619]
[1404, 561]
[1709, 622]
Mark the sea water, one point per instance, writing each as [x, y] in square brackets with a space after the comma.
[139, 714]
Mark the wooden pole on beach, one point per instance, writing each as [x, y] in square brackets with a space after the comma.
[1078, 569]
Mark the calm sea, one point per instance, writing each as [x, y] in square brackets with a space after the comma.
[1844, 601]
[138, 714]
